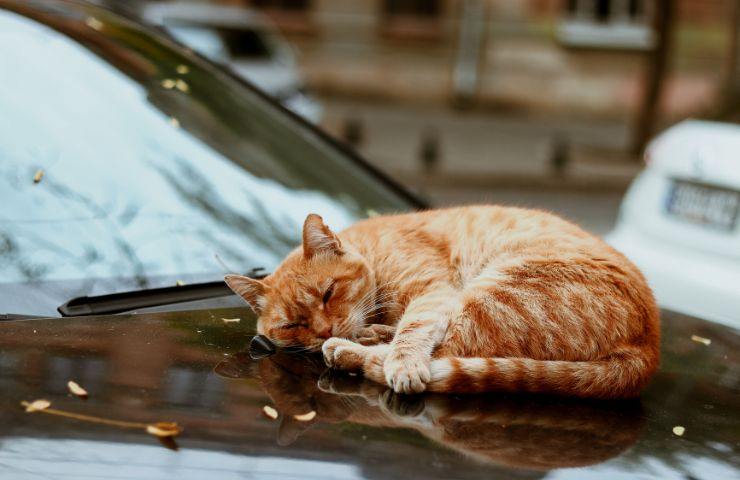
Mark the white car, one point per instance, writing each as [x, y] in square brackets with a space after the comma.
[242, 39]
[680, 220]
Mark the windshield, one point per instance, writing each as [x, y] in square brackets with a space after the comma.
[127, 163]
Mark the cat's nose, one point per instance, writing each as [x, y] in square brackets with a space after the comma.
[324, 332]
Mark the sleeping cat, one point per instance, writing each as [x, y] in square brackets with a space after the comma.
[464, 300]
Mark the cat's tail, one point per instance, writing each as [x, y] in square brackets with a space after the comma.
[621, 374]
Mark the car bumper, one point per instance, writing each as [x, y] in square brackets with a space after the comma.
[683, 280]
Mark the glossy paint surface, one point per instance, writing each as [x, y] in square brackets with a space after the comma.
[194, 368]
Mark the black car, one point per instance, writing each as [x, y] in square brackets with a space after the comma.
[133, 175]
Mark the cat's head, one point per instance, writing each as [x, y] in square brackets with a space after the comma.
[319, 291]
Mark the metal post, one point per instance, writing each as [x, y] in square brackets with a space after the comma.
[657, 65]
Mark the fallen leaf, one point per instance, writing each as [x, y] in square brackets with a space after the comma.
[168, 83]
[76, 389]
[270, 412]
[164, 429]
[174, 122]
[38, 176]
[36, 405]
[94, 23]
[699, 339]
[180, 283]
[182, 69]
[231, 320]
[306, 417]
[678, 430]
[182, 85]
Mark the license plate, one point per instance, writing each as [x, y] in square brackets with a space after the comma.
[712, 207]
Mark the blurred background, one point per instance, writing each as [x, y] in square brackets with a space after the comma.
[531, 102]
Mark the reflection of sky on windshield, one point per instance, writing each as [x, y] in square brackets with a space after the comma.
[125, 192]
[689, 467]
[153, 462]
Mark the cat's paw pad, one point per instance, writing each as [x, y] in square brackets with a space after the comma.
[407, 374]
[342, 354]
[375, 333]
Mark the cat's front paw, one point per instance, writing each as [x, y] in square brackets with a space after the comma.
[375, 333]
[342, 354]
[407, 373]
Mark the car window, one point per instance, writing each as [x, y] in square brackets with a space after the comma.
[245, 43]
[121, 157]
[203, 40]
[222, 43]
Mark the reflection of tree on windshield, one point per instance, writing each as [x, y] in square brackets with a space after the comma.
[10, 255]
[24, 256]
[262, 228]
[129, 261]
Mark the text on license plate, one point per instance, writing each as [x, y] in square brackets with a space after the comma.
[713, 207]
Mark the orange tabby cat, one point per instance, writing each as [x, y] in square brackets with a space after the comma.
[465, 300]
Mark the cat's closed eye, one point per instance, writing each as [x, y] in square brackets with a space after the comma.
[328, 293]
[301, 322]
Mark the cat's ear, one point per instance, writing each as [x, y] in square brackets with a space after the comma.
[250, 289]
[318, 239]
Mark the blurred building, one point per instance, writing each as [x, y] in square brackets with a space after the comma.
[581, 55]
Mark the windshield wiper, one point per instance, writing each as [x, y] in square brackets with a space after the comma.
[150, 297]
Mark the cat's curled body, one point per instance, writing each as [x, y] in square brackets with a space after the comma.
[466, 299]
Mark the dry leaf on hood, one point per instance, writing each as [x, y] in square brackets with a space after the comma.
[36, 405]
[94, 23]
[231, 320]
[699, 339]
[306, 417]
[164, 429]
[679, 430]
[182, 85]
[76, 389]
[38, 176]
[270, 412]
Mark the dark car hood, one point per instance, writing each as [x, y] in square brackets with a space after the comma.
[193, 367]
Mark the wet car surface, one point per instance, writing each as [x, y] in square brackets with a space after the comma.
[195, 368]
[229, 183]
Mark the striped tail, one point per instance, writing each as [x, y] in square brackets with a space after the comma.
[622, 374]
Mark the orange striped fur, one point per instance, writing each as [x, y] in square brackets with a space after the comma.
[470, 299]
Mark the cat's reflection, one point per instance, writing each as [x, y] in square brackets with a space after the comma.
[518, 431]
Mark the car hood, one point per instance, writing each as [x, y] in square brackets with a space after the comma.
[194, 368]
